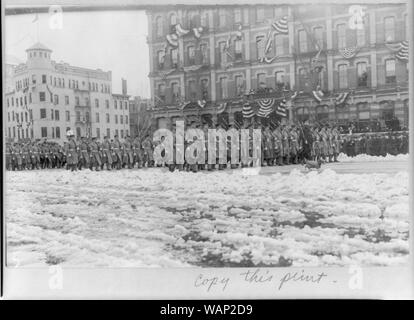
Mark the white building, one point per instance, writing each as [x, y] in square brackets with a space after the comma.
[49, 98]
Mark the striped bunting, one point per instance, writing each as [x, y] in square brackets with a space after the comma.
[266, 107]
[221, 107]
[294, 95]
[402, 53]
[281, 26]
[247, 111]
[269, 42]
[197, 32]
[341, 98]
[202, 103]
[318, 95]
[172, 40]
[281, 108]
[180, 31]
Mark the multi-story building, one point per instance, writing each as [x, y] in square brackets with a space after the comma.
[256, 49]
[139, 113]
[49, 98]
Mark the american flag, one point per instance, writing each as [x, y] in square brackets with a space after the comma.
[281, 108]
[402, 53]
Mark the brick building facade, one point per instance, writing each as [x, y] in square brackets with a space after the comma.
[223, 62]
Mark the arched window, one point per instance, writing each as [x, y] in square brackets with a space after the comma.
[173, 19]
[279, 80]
[158, 26]
[318, 32]
[390, 71]
[362, 74]
[342, 112]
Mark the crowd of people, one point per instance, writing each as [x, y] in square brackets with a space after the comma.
[375, 144]
[282, 144]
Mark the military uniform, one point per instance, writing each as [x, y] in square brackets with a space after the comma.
[116, 153]
[72, 156]
[148, 156]
[128, 153]
[95, 155]
[107, 154]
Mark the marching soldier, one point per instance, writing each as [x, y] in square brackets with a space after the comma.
[106, 153]
[148, 153]
[95, 155]
[71, 152]
[278, 146]
[294, 143]
[137, 152]
[8, 156]
[285, 143]
[128, 153]
[116, 152]
[84, 154]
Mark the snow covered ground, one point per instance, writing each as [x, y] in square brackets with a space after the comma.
[154, 218]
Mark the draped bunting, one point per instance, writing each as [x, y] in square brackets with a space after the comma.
[172, 40]
[266, 107]
[197, 32]
[180, 31]
[318, 95]
[294, 95]
[349, 52]
[281, 26]
[402, 53]
[267, 60]
[281, 108]
[341, 98]
[202, 103]
[247, 111]
[221, 107]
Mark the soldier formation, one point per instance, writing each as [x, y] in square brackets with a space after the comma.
[281, 145]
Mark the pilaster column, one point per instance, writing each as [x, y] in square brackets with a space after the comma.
[372, 42]
[329, 48]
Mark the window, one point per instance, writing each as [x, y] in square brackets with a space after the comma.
[341, 34]
[222, 17]
[43, 78]
[121, 119]
[56, 99]
[192, 89]
[58, 132]
[191, 55]
[107, 118]
[204, 53]
[204, 89]
[318, 31]
[126, 105]
[222, 53]
[204, 19]
[174, 58]
[389, 26]
[343, 76]
[279, 79]
[390, 71]
[33, 78]
[98, 133]
[87, 118]
[261, 80]
[44, 132]
[158, 26]
[116, 104]
[107, 104]
[237, 15]
[238, 49]
[122, 133]
[362, 74]
[239, 85]
[78, 132]
[303, 44]
[96, 103]
[43, 113]
[260, 46]
[120, 105]
[161, 59]
[57, 118]
[260, 14]
[126, 132]
[126, 119]
[67, 113]
[161, 92]
[223, 88]
[279, 47]
[108, 133]
[8, 116]
[78, 116]
[175, 91]
[42, 96]
[116, 132]
[66, 100]
[360, 37]
[173, 19]
[116, 119]
[278, 12]
[14, 132]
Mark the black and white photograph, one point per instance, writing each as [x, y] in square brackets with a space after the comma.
[168, 137]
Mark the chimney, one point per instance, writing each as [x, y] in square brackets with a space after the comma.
[124, 87]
